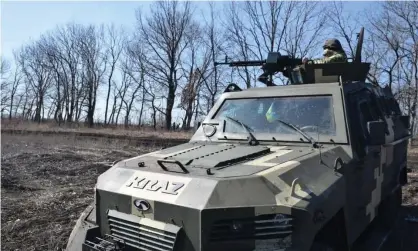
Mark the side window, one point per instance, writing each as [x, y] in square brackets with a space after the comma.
[366, 112]
[394, 107]
[369, 111]
[370, 108]
[384, 106]
[356, 123]
[364, 108]
[375, 109]
[366, 115]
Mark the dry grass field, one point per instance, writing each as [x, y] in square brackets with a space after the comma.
[47, 181]
[110, 131]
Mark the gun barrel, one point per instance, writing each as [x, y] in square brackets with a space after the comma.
[247, 63]
[243, 63]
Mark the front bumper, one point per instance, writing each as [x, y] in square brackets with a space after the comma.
[129, 232]
[84, 229]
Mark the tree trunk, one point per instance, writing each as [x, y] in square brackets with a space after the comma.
[108, 95]
[90, 111]
[142, 109]
[39, 108]
[11, 107]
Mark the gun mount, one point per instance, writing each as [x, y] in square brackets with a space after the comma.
[305, 73]
[274, 64]
[300, 73]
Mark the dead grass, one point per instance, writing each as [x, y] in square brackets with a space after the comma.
[98, 130]
[46, 182]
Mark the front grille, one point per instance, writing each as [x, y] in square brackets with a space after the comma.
[141, 233]
[271, 226]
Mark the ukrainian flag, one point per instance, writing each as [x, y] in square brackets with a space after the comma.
[271, 115]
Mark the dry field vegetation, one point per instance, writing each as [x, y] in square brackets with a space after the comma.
[47, 181]
[116, 131]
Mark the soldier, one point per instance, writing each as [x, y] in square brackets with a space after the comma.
[333, 53]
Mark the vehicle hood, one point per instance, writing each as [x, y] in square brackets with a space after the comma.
[239, 175]
[220, 160]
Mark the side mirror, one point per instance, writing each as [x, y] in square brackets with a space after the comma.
[377, 133]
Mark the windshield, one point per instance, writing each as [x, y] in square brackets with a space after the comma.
[311, 114]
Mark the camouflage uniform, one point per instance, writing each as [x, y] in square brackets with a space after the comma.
[333, 53]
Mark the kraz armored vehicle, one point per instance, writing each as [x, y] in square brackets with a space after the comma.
[304, 166]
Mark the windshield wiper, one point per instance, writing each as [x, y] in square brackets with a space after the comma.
[252, 140]
[309, 138]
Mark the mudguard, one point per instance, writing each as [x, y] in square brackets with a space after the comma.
[84, 223]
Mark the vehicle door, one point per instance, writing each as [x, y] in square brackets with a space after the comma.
[364, 176]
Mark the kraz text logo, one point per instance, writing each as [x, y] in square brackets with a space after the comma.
[163, 186]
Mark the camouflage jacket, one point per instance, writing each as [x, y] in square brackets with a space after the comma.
[338, 57]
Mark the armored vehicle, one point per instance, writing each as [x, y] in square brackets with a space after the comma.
[305, 166]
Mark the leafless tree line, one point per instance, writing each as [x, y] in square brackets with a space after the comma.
[167, 63]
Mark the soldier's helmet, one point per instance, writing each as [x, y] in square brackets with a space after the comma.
[333, 44]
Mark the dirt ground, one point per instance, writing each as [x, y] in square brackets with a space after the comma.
[47, 181]
[407, 230]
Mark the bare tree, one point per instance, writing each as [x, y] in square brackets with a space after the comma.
[345, 26]
[163, 34]
[195, 66]
[293, 28]
[15, 83]
[94, 65]
[238, 40]
[4, 67]
[33, 62]
[49, 46]
[128, 93]
[134, 65]
[5, 84]
[305, 32]
[402, 18]
[65, 59]
[214, 39]
[390, 39]
[114, 42]
[63, 74]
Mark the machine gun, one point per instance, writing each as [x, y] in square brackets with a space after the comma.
[299, 73]
[274, 63]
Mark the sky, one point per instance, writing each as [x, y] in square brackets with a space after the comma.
[23, 21]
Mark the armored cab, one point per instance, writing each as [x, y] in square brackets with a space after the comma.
[307, 166]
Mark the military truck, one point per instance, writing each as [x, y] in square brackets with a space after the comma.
[305, 166]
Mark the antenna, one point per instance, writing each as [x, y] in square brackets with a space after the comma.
[360, 38]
